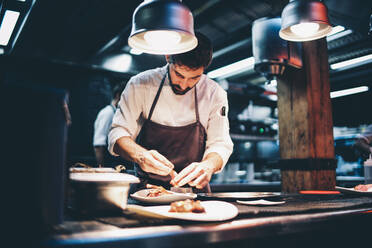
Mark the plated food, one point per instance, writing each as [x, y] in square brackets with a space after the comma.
[357, 190]
[156, 191]
[364, 187]
[214, 211]
[187, 206]
[160, 196]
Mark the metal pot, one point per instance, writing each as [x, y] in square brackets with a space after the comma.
[100, 192]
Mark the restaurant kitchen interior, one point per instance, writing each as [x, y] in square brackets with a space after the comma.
[81, 47]
[77, 51]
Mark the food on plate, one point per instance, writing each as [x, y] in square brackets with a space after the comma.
[156, 191]
[363, 187]
[187, 206]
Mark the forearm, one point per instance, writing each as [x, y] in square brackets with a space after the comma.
[100, 154]
[128, 149]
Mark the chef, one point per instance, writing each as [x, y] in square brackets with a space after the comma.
[102, 126]
[173, 122]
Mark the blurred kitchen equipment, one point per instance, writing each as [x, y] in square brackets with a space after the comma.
[368, 170]
[271, 53]
[249, 167]
[231, 172]
[100, 192]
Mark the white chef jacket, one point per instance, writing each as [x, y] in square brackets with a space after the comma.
[173, 110]
[102, 125]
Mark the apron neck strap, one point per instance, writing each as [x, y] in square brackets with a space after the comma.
[196, 105]
[158, 94]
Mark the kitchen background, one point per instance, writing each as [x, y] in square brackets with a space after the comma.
[81, 46]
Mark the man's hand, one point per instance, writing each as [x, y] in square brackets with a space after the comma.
[149, 160]
[153, 162]
[199, 174]
[196, 175]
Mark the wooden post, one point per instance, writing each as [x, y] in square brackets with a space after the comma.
[305, 123]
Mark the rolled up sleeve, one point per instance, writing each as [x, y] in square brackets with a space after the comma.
[218, 134]
[126, 122]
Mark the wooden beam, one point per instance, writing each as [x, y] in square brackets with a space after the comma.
[305, 121]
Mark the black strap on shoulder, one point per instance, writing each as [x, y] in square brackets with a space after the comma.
[156, 97]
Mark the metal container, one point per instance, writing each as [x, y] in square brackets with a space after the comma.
[100, 192]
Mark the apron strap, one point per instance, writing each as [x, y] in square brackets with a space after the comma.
[156, 97]
[196, 105]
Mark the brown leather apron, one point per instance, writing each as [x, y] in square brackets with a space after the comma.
[182, 145]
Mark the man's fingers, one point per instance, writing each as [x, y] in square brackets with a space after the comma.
[184, 173]
[162, 159]
[194, 174]
[154, 166]
[200, 182]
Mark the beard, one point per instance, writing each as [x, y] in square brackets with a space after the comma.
[178, 90]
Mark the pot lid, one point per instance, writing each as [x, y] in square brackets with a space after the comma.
[104, 177]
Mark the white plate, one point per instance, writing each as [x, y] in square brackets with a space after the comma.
[92, 170]
[214, 211]
[260, 202]
[168, 198]
[353, 191]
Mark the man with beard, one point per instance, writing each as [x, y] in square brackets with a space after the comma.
[172, 122]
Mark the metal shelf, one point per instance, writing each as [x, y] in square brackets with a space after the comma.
[250, 137]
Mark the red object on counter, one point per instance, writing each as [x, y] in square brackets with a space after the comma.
[319, 192]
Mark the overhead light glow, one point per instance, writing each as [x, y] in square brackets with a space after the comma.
[305, 29]
[273, 97]
[336, 29]
[352, 62]
[232, 69]
[162, 38]
[135, 51]
[7, 26]
[339, 35]
[349, 91]
[119, 63]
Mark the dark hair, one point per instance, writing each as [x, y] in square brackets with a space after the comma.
[118, 89]
[200, 56]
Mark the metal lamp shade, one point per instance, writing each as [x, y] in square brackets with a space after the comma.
[271, 53]
[171, 18]
[304, 11]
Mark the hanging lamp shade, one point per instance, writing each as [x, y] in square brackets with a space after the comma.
[162, 27]
[304, 20]
[271, 53]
